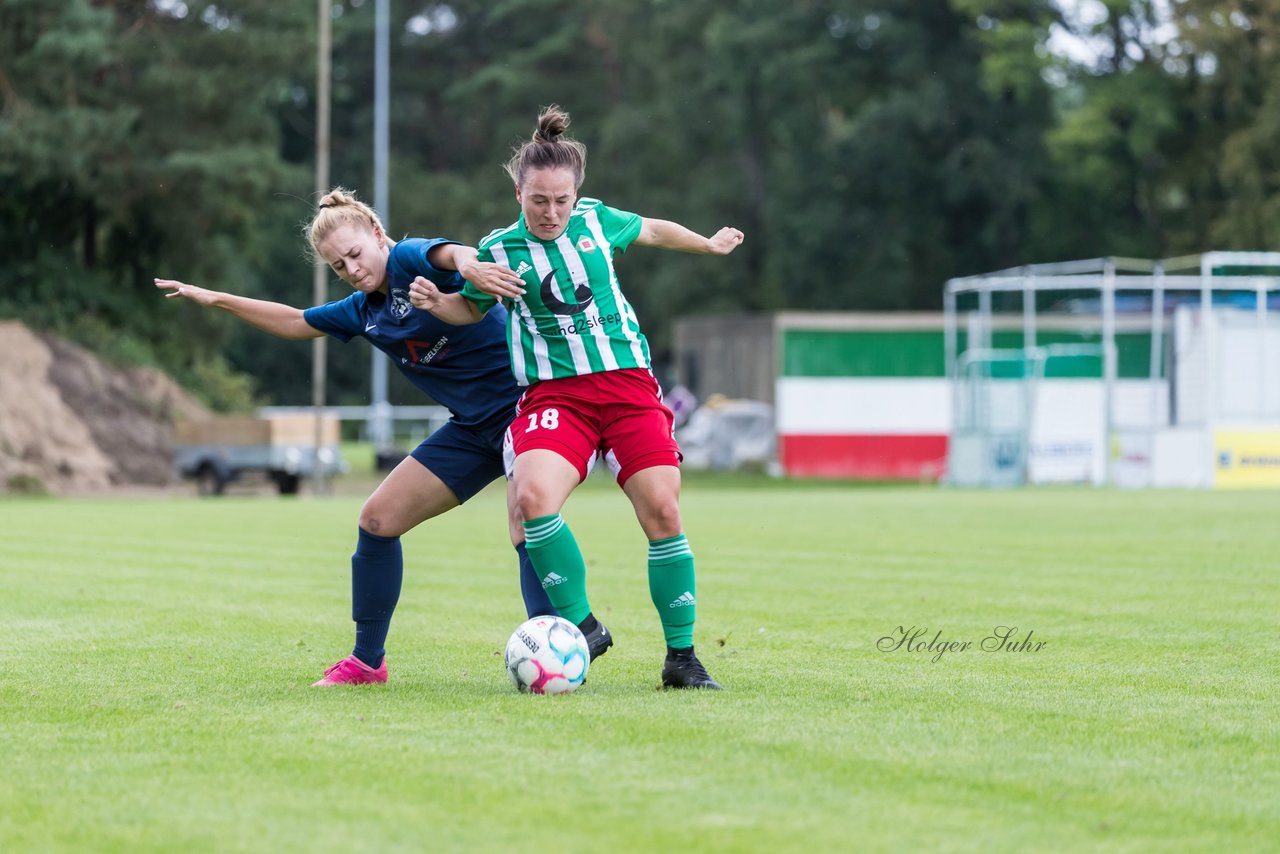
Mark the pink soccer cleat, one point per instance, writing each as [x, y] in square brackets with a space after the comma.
[353, 671]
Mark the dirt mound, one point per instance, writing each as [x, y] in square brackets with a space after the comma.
[72, 423]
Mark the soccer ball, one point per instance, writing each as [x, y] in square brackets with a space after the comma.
[547, 655]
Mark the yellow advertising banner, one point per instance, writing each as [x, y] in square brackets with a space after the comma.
[1246, 459]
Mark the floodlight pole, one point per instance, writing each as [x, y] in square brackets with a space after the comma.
[379, 423]
[320, 274]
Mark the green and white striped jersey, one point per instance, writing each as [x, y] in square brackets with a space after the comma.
[573, 318]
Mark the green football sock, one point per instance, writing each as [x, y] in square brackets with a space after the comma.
[672, 588]
[558, 560]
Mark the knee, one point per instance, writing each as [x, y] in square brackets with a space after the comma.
[531, 501]
[379, 520]
[661, 519]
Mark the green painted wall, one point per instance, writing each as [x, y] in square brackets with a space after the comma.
[811, 353]
[824, 353]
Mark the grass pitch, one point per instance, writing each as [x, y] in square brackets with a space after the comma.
[156, 688]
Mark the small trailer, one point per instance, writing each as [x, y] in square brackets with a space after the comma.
[217, 451]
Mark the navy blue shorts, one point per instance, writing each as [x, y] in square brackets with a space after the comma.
[467, 459]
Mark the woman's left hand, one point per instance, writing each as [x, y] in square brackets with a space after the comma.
[725, 241]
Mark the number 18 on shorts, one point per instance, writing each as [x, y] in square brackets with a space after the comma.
[617, 412]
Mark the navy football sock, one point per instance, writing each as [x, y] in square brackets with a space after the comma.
[536, 601]
[377, 571]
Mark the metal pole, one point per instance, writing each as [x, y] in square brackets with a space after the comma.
[1209, 331]
[984, 313]
[950, 344]
[380, 411]
[1261, 309]
[950, 337]
[978, 393]
[1029, 313]
[1156, 363]
[1032, 367]
[1108, 361]
[320, 275]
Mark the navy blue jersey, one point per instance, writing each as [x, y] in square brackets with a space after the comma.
[466, 369]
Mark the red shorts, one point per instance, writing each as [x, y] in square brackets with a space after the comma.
[618, 412]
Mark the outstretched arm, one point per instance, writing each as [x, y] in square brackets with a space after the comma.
[283, 321]
[488, 278]
[453, 309]
[665, 234]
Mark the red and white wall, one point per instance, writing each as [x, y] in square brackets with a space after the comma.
[862, 396]
[881, 428]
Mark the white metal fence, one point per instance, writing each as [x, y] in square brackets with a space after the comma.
[1210, 325]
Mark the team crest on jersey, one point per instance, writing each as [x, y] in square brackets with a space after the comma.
[400, 305]
[585, 244]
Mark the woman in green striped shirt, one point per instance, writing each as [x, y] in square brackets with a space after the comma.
[575, 342]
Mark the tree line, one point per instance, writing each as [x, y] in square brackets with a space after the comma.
[869, 150]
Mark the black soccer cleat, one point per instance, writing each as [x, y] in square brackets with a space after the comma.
[683, 670]
[598, 640]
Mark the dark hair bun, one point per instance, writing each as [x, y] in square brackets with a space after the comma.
[551, 124]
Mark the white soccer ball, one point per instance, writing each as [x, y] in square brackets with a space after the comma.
[547, 655]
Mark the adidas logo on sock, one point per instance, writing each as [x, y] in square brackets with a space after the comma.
[552, 580]
[685, 598]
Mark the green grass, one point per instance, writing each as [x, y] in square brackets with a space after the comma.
[155, 694]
